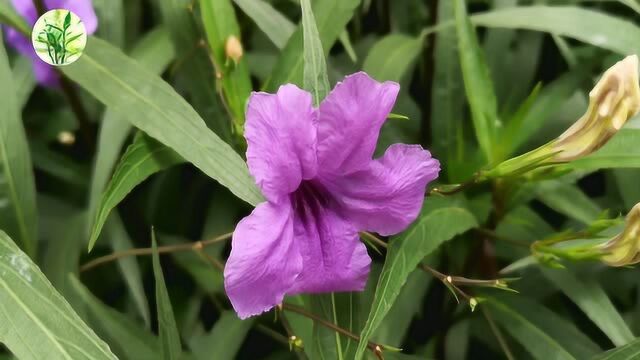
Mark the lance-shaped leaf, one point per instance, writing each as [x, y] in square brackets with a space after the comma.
[544, 334]
[36, 322]
[129, 340]
[17, 187]
[591, 27]
[316, 80]
[153, 106]
[591, 298]
[477, 83]
[630, 351]
[154, 51]
[441, 219]
[143, 158]
[169, 337]
[275, 25]
[331, 17]
[219, 19]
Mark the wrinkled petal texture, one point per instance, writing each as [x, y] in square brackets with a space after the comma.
[281, 139]
[333, 258]
[386, 196]
[265, 260]
[44, 73]
[349, 123]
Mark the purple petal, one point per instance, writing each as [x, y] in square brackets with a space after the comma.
[349, 122]
[334, 259]
[387, 196]
[27, 10]
[281, 139]
[19, 42]
[264, 260]
[45, 74]
[82, 8]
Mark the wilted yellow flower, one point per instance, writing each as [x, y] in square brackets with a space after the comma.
[233, 49]
[624, 249]
[614, 99]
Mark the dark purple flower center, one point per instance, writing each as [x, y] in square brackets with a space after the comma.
[309, 200]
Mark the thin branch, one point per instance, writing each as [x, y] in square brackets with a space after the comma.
[374, 239]
[198, 245]
[375, 348]
[455, 188]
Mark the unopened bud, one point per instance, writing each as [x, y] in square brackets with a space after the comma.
[613, 101]
[473, 302]
[295, 343]
[66, 138]
[233, 49]
[624, 249]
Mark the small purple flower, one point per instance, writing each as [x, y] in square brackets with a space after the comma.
[44, 73]
[315, 168]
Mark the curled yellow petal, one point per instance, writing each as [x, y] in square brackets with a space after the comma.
[624, 249]
[614, 100]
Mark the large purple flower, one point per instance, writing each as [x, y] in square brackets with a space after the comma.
[44, 73]
[315, 168]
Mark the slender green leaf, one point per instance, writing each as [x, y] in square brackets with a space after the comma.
[128, 339]
[568, 199]
[36, 322]
[548, 101]
[393, 57]
[9, 16]
[224, 339]
[446, 93]
[331, 18]
[169, 337]
[316, 80]
[23, 80]
[441, 219]
[128, 266]
[592, 27]
[17, 187]
[152, 105]
[195, 65]
[219, 19]
[154, 51]
[591, 298]
[395, 325]
[627, 182]
[111, 18]
[275, 25]
[628, 352]
[143, 158]
[477, 83]
[544, 334]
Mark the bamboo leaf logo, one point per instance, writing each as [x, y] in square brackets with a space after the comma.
[59, 37]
